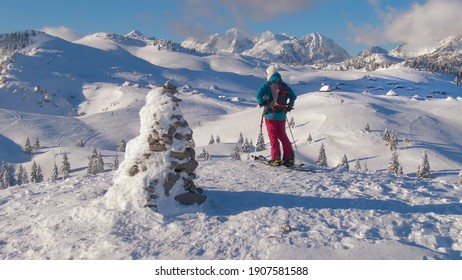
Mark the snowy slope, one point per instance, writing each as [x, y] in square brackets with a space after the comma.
[331, 214]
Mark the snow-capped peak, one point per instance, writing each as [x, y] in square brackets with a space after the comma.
[135, 34]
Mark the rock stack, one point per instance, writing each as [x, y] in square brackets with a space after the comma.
[159, 168]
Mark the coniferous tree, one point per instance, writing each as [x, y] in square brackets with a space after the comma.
[93, 162]
[2, 170]
[322, 159]
[357, 165]
[20, 178]
[65, 167]
[386, 135]
[260, 142]
[25, 178]
[9, 175]
[344, 163]
[400, 171]
[36, 143]
[6, 175]
[217, 139]
[365, 168]
[115, 162]
[27, 146]
[252, 147]
[309, 139]
[366, 128]
[423, 171]
[235, 153]
[211, 141]
[245, 148]
[39, 175]
[460, 178]
[55, 173]
[100, 163]
[33, 173]
[240, 141]
[394, 164]
[393, 141]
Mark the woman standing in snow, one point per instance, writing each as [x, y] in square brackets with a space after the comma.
[275, 117]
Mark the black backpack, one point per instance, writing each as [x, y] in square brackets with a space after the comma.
[280, 96]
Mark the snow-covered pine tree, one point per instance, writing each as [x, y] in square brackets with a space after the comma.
[39, 175]
[33, 173]
[2, 169]
[291, 122]
[423, 170]
[20, 179]
[365, 168]
[309, 139]
[6, 176]
[121, 146]
[393, 141]
[93, 162]
[240, 141]
[400, 171]
[260, 142]
[218, 139]
[115, 162]
[394, 164]
[366, 128]
[9, 175]
[27, 146]
[357, 165]
[245, 148]
[36, 145]
[386, 135]
[54, 173]
[211, 141]
[322, 159]
[235, 153]
[65, 166]
[344, 163]
[100, 163]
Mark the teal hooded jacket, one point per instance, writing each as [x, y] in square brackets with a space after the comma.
[264, 97]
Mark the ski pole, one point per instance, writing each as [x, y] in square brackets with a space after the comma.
[295, 144]
[260, 132]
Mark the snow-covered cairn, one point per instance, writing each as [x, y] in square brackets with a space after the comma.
[158, 169]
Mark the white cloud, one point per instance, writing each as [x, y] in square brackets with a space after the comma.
[421, 26]
[62, 32]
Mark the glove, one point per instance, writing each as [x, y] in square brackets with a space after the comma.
[289, 109]
[260, 105]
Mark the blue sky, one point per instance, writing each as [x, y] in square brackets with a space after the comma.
[354, 24]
